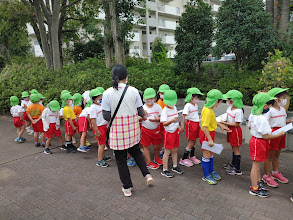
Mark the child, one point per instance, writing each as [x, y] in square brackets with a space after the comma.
[259, 145]
[16, 112]
[150, 130]
[169, 118]
[34, 113]
[190, 112]
[51, 123]
[70, 122]
[207, 133]
[233, 121]
[83, 124]
[277, 119]
[99, 125]
[24, 105]
[77, 102]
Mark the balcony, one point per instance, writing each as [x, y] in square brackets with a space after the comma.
[150, 37]
[169, 10]
[170, 25]
[152, 22]
[135, 37]
[171, 54]
[151, 5]
[30, 30]
[134, 52]
[168, 40]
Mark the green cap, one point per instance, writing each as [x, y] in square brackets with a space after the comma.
[13, 100]
[192, 91]
[34, 91]
[236, 96]
[41, 96]
[66, 96]
[101, 89]
[54, 106]
[95, 92]
[35, 98]
[275, 91]
[65, 91]
[25, 94]
[163, 88]
[259, 101]
[77, 99]
[88, 104]
[212, 96]
[170, 97]
[149, 93]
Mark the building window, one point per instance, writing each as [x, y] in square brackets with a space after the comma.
[36, 43]
[136, 47]
[177, 10]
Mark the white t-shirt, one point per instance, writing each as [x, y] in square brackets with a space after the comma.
[15, 110]
[154, 111]
[23, 102]
[235, 115]
[167, 115]
[97, 113]
[61, 112]
[191, 112]
[86, 96]
[85, 112]
[258, 125]
[52, 116]
[276, 118]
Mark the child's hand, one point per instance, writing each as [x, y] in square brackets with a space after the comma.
[211, 143]
[154, 119]
[34, 121]
[174, 120]
[181, 130]
[224, 128]
[74, 128]
[98, 134]
[281, 134]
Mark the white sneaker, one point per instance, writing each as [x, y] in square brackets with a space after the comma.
[127, 192]
[149, 179]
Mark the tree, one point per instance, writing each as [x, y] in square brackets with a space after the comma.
[159, 51]
[244, 28]
[193, 36]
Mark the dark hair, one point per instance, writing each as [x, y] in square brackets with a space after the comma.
[279, 95]
[119, 72]
[271, 102]
[196, 95]
[94, 97]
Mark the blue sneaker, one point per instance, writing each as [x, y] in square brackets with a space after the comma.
[16, 139]
[131, 162]
[215, 175]
[209, 179]
[23, 139]
[82, 149]
[88, 148]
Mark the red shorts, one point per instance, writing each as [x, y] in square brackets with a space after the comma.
[259, 149]
[149, 137]
[68, 128]
[277, 143]
[38, 127]
[162, 129]
[17, 122]
[102, 139]
[202, 136]
[171, 140]
[25, 117]
[235, 137]
[192, 130]
[82, 124]
[52, 130]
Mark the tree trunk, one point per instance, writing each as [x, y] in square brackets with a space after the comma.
[270, 9]
[55, 33]
[284, 18]
[108, 41]
[276, 13]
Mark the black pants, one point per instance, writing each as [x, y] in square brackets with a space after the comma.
[121, 160]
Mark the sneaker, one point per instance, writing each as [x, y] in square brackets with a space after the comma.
[131, 162]
[270, 181]
[149, 179]
[185, 162]
[260, 193]
[43, 145]
[127, 192]
[234, 171]
[47, 151]
[153, 166]
[88, 148]
[22, 139]
[88, 144]
[105, 158]
[278, 176]
[291, 198]
[37, 144]
[262, 185]
[102, 164]
[228, 166]
[177, 170]
[16, 139]
[167, 173]
[71, 149]
[194, 160]
[63, 147]
[209, 179]
[215, 176]
[158, 161]
[82, 149]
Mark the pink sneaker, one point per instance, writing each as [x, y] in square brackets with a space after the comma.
[185, 162]
[278, 176]
[194, 160]
[270, 181]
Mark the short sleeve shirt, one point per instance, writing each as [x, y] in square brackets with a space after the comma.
[85, 112]
[154, 111]
[208, 119]
[235, 115]
[35, 110]
[23, 102]
[53, 116]
[77, 110]
[276, 118]
[191, 112]
[15, 110]
[259, 125]
[97, 113]
[167, 115]
[68, 113]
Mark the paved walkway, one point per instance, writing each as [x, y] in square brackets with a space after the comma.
[69, 186]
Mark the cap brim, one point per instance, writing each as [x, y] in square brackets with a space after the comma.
[170, 102]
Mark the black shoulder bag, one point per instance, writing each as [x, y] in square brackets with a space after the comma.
[114, 115]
